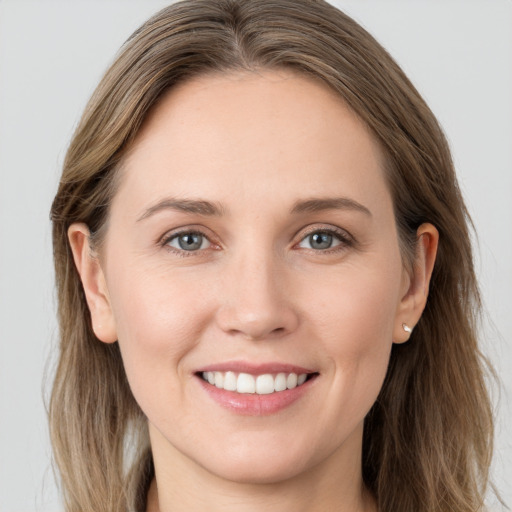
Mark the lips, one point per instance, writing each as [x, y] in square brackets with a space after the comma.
[255, 389]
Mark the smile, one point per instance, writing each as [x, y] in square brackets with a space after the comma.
[245, 383]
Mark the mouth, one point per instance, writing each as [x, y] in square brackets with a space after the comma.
[256, 389]
[259, 384]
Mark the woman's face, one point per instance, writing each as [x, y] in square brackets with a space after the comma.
[253, 237]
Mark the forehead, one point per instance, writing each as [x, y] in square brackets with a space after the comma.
[223, 134]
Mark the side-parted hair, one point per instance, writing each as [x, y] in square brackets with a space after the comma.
[428, 438]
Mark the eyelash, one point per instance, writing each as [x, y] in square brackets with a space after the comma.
[344, 238]
[166, 239]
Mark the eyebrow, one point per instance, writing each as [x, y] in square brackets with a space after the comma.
[329, 203]
[207, 208]
[199, 207]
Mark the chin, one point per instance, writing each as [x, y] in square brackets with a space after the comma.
[257, 472]
[265, 462]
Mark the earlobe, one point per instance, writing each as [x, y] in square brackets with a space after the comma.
[415, 295]
[93, 282]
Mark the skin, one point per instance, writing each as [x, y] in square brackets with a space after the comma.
[254, 144]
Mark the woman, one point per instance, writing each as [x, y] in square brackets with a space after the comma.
[253, 212]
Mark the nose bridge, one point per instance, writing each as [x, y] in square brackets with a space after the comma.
[255, 302]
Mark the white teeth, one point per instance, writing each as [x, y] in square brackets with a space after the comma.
[230, 381]
[291, 381]
[261, 385]
[280, 384]
[264, 384]
[245, 383]
[219, 380]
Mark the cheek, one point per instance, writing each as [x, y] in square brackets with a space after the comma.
[159, 320]
[359, 307]
[354, 323]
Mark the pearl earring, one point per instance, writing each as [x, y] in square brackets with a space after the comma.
[406, 328]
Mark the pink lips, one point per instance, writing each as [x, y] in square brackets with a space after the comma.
[253, 404]
[254, 369]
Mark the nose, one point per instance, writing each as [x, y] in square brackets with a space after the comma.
[256, 300]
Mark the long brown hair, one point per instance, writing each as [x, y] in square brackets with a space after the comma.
[428, 438]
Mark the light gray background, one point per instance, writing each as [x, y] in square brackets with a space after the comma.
[52, 53]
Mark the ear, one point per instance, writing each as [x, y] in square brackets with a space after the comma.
[93, 282]
[416, 283]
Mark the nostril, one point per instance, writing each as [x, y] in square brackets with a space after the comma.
[257, 319]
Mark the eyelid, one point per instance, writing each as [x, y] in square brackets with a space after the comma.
[343, 235]
[345, 238]
[324, 228]
[204, 239]
[164, 240]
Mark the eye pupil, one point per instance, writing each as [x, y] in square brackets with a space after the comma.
[190, 241]
[320, 240]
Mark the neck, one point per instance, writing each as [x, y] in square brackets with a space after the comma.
[334, 484]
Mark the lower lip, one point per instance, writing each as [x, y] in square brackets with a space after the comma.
[252, 404]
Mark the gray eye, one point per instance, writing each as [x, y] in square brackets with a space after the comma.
[320, 240]
[189, 241]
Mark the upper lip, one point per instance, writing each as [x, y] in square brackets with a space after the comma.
[254, 368]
